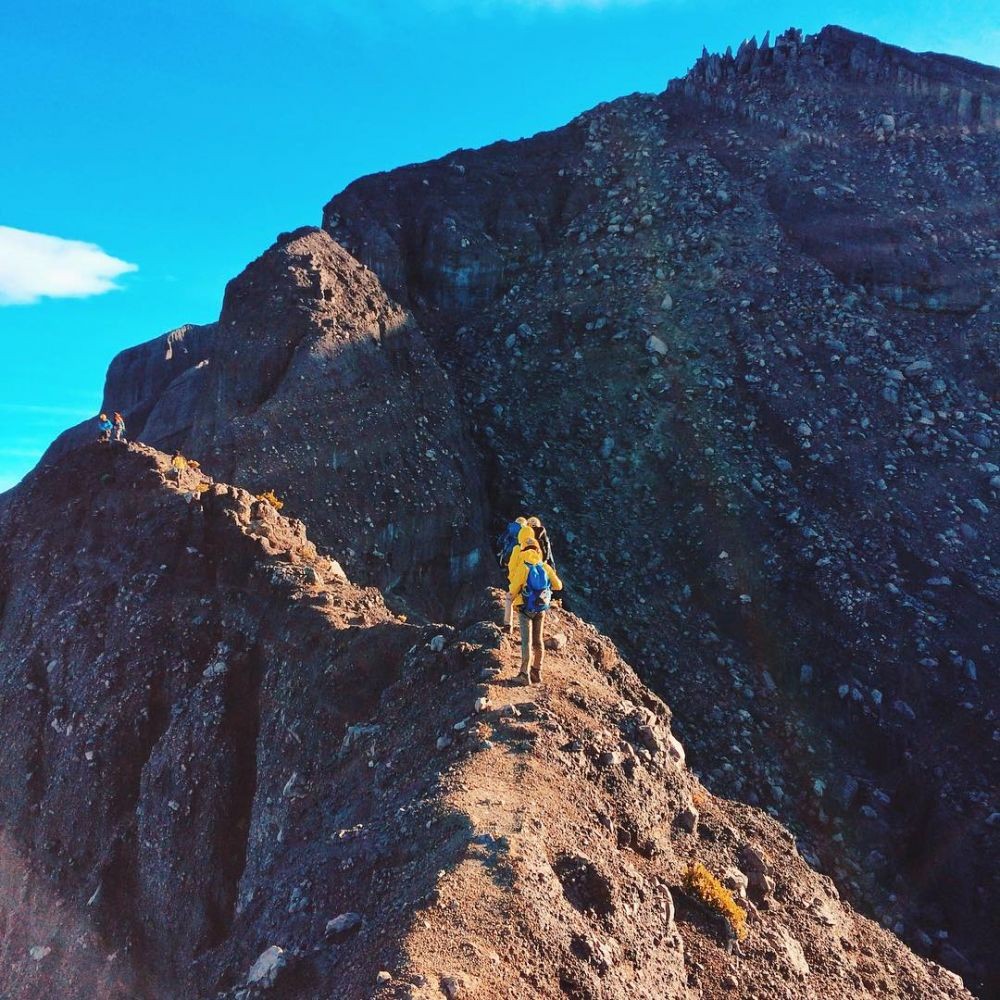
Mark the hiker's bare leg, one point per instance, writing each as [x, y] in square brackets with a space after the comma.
[537, 646]
[508, 613]
[525, 622]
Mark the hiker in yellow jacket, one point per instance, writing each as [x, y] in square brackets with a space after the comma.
[531, 598]
[526, 534]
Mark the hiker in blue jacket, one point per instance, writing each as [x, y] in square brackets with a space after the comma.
[104, 427]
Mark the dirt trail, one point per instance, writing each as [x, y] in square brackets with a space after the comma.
[575, 848]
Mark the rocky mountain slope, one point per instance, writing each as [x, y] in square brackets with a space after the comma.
[315, 383]
[763, 310]
[232, 773]
[737, 343]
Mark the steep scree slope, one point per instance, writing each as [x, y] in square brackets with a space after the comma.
[231, 773]
[738, 343]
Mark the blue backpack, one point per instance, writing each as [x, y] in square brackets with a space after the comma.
[507, 542]
[537, 592]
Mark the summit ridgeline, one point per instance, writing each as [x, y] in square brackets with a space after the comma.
[736, 344]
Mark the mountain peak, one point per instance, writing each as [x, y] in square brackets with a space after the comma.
[953, 89]
[735, 345]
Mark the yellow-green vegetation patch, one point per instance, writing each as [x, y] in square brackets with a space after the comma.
[700, 882]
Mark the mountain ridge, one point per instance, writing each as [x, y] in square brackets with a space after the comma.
[764, 307]
[290, 790]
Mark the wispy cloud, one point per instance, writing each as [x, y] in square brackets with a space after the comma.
[35, 266]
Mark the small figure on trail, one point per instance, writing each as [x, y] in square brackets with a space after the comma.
[542, 537]
[104, 427]
[119, 427]
[531, 586]
[514, 558]
[177, 463]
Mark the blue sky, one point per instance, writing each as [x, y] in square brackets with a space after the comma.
[171, 141]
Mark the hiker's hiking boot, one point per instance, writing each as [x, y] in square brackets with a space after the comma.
[524, 678]
[536, 666]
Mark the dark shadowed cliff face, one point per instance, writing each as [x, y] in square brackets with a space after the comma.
[762, 311]
[157, 654]
[738, 345]
[321, 387]
[230, 773]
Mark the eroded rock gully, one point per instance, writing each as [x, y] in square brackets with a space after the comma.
[737, 344]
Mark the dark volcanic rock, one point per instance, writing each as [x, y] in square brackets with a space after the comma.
[904, 225]
[705, 289]
[737, 344]
[323, 388]
[474, 221]
[315, 384]
[137, 379]
[154, 720]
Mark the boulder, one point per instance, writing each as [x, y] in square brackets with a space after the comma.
[266, 970]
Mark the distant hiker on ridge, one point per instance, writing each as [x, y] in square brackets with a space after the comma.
[531, 586]
[119, 427]
[104, 427]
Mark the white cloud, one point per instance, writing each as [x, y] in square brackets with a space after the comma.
[35, 266]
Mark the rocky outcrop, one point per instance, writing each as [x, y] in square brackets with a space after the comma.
[138, 378]
[147, 722]
[925, 248]
[960, 91]
[315, 384]
[475, 221]
[231, 773]
[885, 213]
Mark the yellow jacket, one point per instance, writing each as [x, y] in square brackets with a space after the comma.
[519, 578]
[526, 534]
